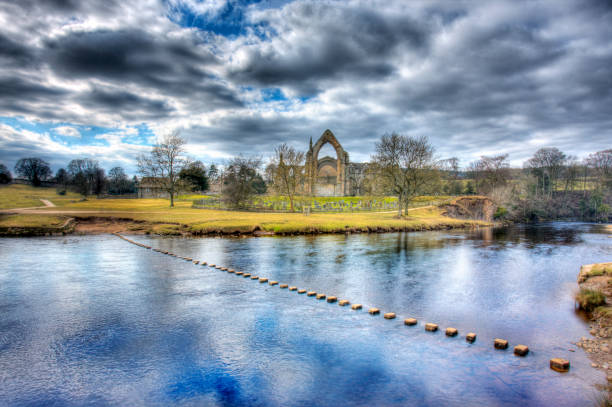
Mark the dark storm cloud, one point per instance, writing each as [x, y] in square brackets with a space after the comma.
[336, 43]
[171, 66]
[13, 53]
[112, 100]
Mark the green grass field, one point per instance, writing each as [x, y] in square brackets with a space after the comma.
[25, 196]
[157, 217]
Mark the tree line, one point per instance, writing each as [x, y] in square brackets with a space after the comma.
[549, 184]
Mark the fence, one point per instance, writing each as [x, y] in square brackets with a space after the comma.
[310, 205]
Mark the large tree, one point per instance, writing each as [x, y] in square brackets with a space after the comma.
[490, 172]
[407, 165]
[286, 171]
[162, 166]
[34, 169]
[118, 182]
[5, 175]
[241, 180]
[195, 175]
[86, 176]
[547, 165]
[600, 164]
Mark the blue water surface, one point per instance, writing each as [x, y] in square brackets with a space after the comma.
[95, 320]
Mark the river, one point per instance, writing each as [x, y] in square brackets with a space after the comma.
[96, 320]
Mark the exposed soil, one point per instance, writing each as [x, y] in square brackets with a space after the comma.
[473, 207]
[102, 225]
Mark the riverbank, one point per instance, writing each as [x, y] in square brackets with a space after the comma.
[154, 216]
[200, 222]
[597, 278]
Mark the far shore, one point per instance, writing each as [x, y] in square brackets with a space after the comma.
[57, 215]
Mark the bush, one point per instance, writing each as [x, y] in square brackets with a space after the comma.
[500, 213]
[588, 300]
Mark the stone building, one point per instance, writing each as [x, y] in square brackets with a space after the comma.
[329, 176]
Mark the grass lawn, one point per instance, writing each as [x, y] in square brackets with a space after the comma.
[26, 196]
[157, 217]
[184, 218]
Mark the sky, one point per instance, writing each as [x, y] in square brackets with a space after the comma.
[104, 79]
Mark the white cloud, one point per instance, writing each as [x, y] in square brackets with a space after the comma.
[67, 131]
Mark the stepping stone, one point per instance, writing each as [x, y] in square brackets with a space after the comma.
[500, 343]
[332, 298]
[320, 296]
[292, 288]
[356, 306]
[431, 327]
[521, 350]
[343, 303]
[471, 337]
[559, 365]
[451, 332]
[374, 311]
[389, 315]
[410, 321]
[311, 293]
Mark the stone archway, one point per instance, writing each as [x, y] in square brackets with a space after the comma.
[312, 164]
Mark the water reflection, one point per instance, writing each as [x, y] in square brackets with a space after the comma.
[94, 320]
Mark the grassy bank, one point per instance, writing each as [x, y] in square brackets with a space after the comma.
[25, 196]
[34, 225]
[154, 216]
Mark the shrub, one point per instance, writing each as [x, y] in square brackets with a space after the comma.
[588, 300]
[500, 213]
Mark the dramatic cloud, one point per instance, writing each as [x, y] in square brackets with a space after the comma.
[106, 78]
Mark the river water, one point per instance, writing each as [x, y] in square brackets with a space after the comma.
[96, 320]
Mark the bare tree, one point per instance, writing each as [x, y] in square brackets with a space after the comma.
[490, 173]
[600, 164]
[547, 165]
[286, 171]
[240, 180]
[406, 164]
[163, 164]
[34, 169]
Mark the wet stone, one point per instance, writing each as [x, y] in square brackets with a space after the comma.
[431, 327]
[500, 343]
[521, 350]
[559, 365]
[451, 331]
